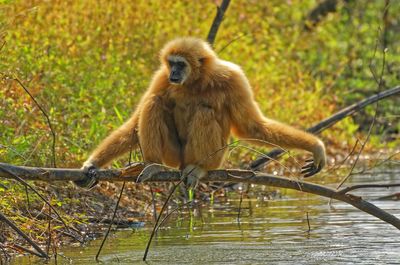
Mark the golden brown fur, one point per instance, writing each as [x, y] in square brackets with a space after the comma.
[190, 123]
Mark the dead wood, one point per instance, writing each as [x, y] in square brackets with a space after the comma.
[230, 175]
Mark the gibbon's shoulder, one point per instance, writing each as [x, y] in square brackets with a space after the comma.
[231, 67]
[234, 77]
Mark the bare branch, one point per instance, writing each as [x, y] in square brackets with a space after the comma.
[17, 177]
[39, 252]
[363, 186]
[132, 172]
[111, 223]
[53, 133]
[212, 34]
[329, 122]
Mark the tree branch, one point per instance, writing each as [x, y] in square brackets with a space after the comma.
[217, 21]
[364, 186]
[319, 12]
[231, 175]
[39, 252]
[329, 122]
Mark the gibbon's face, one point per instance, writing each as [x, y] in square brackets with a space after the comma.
[179, 69]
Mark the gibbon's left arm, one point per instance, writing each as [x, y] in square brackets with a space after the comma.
[248, 122]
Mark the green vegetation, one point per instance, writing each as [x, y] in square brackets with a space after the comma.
[88, 63]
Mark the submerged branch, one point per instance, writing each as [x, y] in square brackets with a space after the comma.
[132, 172]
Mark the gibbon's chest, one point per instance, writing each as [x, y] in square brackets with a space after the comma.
[187, 106]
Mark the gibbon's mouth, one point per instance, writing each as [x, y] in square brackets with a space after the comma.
[176, 81]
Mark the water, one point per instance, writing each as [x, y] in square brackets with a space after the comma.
[273, 231]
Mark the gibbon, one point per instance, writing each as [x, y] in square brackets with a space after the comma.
[194, 103]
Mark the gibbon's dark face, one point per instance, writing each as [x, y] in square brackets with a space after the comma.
[179, 69]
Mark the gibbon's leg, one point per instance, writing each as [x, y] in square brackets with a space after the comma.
[116, 144]
[204, 149]
[158, 137]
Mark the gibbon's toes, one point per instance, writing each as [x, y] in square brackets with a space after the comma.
[149, 171]
[91, 178]
[192, 175]
[310, 168]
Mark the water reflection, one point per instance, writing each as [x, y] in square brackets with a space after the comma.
[269, 231]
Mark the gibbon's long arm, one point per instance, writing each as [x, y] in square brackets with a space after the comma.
[116, 144]
[249, 123]
[125, 137]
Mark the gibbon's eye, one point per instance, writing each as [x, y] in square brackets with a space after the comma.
[201, 60]
[181, 64]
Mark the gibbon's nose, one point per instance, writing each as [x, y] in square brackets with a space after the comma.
[174, 78]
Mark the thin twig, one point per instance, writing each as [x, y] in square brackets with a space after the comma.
[111, 223]
[40, 252]
[2, 45]
[363, 186]
[20, 248]
[115, 209]
[53, 133]
[308, 223]
[158, 219]
[48, 245]
[230, 42]
[380, 83]
[240, 206]
[359, 152]
[338, 165]
[26, 184]
[153, 203]
[171, 212]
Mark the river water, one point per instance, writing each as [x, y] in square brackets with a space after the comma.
[270, 230]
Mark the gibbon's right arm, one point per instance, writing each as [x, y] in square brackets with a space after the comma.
[249, 123]
[116, 144]
[120, 141]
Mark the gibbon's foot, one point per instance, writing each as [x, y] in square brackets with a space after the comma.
[193, 174]
[310, 169]
[149, 171]
[91, 178]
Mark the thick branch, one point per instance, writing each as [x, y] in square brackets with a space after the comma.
[329, 122]
[232, 175]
